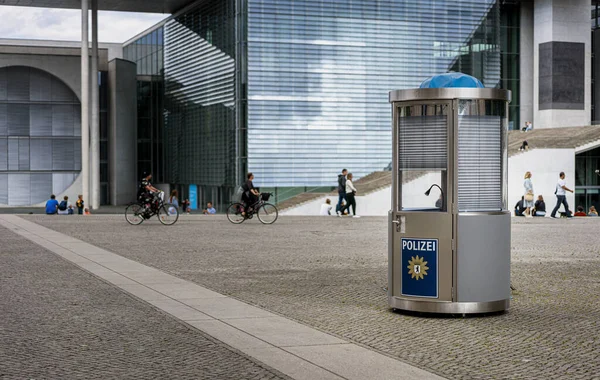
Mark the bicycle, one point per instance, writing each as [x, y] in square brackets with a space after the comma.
[267, 213]
[137, 212]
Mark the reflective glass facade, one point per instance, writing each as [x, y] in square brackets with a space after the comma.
[296, 90]
[319, 73]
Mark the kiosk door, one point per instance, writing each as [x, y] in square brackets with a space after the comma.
[421, 222]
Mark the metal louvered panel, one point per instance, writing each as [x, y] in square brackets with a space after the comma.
[62, 154]
[24, 154]
[3, 155]
[13, 154]
[3, 189]
[3, 119]
[423, 142]
[62, 120]
[40, 116]
[41, 187]
[41, 154]
[18, 189]
[479, 163]
[18, 119]
[39, 85]
[18, 83]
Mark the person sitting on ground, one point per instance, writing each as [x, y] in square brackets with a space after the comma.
[209, 210]
[524, 146]
[592, 211]
[87, 211]
[174, 199]
[63, 206]
[520, 207]
[326, 207]
[539, 209]
[580, 211]
[51, 205]
[79, 203]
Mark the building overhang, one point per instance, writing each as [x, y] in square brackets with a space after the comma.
[149, 6]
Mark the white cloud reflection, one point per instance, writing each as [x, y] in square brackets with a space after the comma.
[65, 24]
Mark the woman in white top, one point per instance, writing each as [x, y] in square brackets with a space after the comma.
[326, 207]
[350, 193]
[528, 196]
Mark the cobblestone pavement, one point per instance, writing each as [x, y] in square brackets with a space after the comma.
[329, 273]
[59, 322]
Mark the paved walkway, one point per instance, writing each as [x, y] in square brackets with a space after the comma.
[291, 348]
[59, 322]
[328, 273]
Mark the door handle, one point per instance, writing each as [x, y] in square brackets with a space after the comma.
[398, 223]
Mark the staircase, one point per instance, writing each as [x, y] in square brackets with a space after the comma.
[367, 184]
[553, 138]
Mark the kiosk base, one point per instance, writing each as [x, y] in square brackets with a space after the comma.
[448, 307]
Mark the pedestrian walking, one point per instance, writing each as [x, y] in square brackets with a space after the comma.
[528, 197]
[561, 196]
[350, 196]
[341, 191]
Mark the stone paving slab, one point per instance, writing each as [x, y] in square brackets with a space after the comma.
[280, 333]
[59, 322]
[329, 273]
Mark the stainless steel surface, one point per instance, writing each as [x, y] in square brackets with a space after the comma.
[423, 224]
[448, 307]
[449, 93]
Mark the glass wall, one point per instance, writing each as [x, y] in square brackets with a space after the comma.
[40, 136]
[510, 22]
[319, 73]
[200, 94]
[148, 53]
[587, 182]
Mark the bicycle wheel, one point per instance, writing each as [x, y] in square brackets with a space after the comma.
[267, 213]
[234, 213]
[133, 214]
[168, 214]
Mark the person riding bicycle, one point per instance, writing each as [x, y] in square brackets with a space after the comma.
[251, 194]
[147, 192]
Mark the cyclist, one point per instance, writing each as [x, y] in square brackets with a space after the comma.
[250, 195]
[147, 192]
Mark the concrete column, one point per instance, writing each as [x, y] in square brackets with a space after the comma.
[85, 99]
[526, 63]
[95, 125]
[562, 63]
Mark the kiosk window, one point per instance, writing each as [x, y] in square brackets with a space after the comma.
[422, 157]
[480, 151]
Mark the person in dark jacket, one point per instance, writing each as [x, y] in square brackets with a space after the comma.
[341, 191]
[520, 207]
[539, 209]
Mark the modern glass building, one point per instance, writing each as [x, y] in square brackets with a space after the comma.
[294, 91]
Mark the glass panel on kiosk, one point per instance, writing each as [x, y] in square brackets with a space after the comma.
[481, 151]
[423, 157]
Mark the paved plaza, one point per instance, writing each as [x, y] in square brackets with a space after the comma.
[328, 274]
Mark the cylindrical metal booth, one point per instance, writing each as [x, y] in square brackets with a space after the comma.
[449, 228]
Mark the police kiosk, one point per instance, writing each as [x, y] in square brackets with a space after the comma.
[449, 227]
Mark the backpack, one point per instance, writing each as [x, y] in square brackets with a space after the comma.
[62, 206]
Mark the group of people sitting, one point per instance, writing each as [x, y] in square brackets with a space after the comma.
[64, 207]
[591, 212]
[539, 208]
